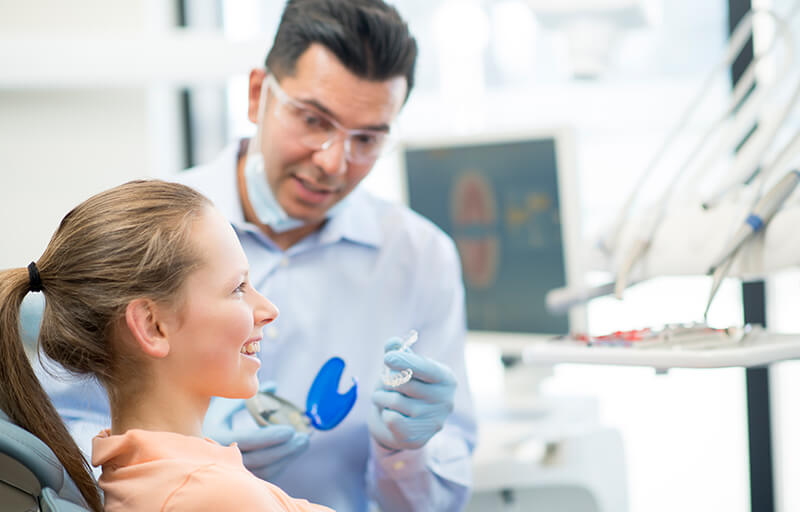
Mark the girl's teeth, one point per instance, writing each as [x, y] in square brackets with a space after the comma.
[251, 348]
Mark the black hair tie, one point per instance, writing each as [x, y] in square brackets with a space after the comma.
[35, 284]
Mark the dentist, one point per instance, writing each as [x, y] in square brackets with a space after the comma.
[347, 270]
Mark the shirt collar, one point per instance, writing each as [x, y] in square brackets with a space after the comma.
[225, 192]
[356, 222]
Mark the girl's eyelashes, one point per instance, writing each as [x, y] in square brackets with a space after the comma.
[240, 289]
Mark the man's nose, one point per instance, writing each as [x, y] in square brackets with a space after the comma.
[332, 158]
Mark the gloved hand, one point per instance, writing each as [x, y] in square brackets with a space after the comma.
[407, 416]
[266, 451]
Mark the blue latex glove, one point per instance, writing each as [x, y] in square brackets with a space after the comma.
[266, 451]
[407, 416]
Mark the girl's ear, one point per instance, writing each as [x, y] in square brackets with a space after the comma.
[142, 318]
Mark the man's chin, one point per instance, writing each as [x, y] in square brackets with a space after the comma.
[306, 218]
[308, 214]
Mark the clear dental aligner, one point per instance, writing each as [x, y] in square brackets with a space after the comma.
[393, 378]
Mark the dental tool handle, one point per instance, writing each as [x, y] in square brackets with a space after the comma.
[772, 200]
[761, 214]
[561, 300]
[719, 274]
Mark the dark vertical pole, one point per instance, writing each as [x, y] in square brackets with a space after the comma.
[186, 124]
[185, 104]
[759, 415]
[736, 11]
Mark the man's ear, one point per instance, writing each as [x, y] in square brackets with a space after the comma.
[142, 318]
[256, 83]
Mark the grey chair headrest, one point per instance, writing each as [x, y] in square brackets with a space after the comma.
[34, 454]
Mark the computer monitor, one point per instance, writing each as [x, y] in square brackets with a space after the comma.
[510, 204]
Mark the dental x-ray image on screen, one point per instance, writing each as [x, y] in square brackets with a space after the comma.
[500, 202]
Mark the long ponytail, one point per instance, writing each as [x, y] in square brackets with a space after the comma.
[22, 396]
[128, 242]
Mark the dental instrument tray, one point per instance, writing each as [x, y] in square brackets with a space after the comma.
[673, 346]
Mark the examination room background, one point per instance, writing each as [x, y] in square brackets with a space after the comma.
[97, 92]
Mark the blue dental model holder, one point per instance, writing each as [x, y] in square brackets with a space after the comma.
[325, 406]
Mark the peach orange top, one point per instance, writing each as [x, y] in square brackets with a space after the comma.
[164, 471]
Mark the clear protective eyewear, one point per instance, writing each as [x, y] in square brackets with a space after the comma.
[318, 131]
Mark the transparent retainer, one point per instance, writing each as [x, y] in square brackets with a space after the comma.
[393, 378]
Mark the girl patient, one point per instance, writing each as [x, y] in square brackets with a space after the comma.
[147, 290]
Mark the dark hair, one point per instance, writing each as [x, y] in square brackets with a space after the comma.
[128, 242]
[367, 36]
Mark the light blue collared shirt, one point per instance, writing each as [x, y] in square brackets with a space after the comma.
[374, 271]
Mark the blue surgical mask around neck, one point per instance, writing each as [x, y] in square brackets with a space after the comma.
[265, 205]
[263, 201]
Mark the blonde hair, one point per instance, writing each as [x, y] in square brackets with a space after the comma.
[129, 242]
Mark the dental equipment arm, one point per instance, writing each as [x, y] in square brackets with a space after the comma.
[759, 217]
[630, 255]
[691, 240]
[633, 253]
[761, 214]
[561, 300]
[738, 39]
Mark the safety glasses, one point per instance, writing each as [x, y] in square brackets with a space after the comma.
[318, 131]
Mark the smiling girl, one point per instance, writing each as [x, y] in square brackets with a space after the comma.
[147, 290]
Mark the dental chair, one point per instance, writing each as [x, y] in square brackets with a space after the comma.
[31, 476]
